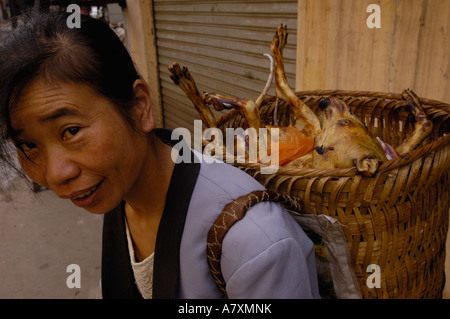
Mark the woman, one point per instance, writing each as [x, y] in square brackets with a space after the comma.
[81, 119]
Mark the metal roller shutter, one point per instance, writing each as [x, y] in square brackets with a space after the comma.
[222, 43]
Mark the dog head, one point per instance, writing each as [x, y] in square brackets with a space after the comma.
[344, 141]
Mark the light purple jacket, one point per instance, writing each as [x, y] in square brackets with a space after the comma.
[265, 255]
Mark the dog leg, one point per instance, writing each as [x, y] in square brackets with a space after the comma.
[249, 111]
[246, 107]
[422, 127]
[182, 78]
[306, 121]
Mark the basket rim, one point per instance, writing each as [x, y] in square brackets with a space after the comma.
[373, 94]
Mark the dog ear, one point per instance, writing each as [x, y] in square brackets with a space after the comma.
[324, 102]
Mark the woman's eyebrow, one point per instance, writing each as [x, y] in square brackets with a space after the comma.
[15, 133]
[58, 113]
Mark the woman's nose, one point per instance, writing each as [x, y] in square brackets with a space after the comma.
[60, 168]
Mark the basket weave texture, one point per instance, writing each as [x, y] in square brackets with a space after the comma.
[397, 219]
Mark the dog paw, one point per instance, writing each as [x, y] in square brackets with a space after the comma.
[367, 166]
[279, 40]
[412, 100]
[178, 74]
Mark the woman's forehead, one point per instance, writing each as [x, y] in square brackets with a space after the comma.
[42, 89]
[43, 101]
[40, 95]
[37, 93]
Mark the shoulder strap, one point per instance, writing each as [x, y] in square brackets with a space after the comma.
[233, 212]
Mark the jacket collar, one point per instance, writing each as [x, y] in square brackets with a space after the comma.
[117, 274]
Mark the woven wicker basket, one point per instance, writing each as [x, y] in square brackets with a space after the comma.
[397, 219]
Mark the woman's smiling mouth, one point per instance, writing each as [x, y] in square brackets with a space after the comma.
[86, 194]
[86, 198]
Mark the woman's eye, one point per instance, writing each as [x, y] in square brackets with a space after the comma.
[27, 146]
[70, 132]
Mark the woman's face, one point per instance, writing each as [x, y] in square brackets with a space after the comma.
[77, 144]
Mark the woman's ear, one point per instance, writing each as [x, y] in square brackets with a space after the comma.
[143, 109]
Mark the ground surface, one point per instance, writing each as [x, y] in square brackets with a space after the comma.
[40, 236]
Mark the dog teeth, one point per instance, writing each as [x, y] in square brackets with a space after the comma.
[89, 192]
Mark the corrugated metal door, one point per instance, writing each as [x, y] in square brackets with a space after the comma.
[222, 43]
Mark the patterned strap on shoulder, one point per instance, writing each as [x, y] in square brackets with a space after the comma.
[232, 213]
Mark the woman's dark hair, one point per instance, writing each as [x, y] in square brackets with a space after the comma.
[45, 47]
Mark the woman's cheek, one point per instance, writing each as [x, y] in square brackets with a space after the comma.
[34, 171]
[103, 152]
